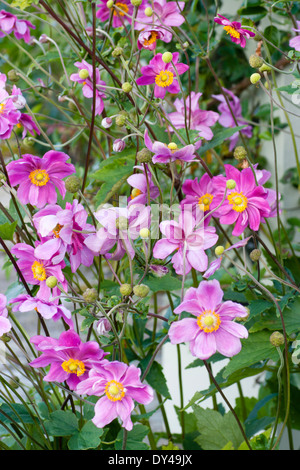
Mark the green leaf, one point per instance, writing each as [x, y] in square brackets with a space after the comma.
[134, 438]
[216, 430]
[219, 138]
[255, 13]
[61, 423]
[87, 438]
[7, 230]
[155, 377]
[166, 283]
[271, 33]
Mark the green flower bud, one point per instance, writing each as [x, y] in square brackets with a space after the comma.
[90, 295]
[255, 254]
[141, 290]
[127, 87]
[12, 76]
[219, 250]
[120, 120]
[136, 3]
[144, 156]
[117, 52]
[167, 57]
[72, 184]
[148, 11]
[255, 78]
[83, 74]
[230, 184]
[277, 338]
[240, 153]
[255, 61]
[265, 68]
[125, 289]
[110, 3]
[144, 233]
[51, 282]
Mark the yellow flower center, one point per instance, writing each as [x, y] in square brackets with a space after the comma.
[39, 177]
[2, 108]
[164, 78]
[38, 271]
[238, 200]
[152, 39]
[74, 366]
[123, 9]
[205, 201]
[135, 192]
[114, 390]
[232, 31]
[56, 230]
[208, 321]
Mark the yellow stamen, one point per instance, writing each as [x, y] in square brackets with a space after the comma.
[74, 366]
[38, 271]
[56, 230]
[123, 9]
[2, 108]
[208, 321]
[114, 390]
[164, 78]
[232, 31]
[238, 200]
[152, 39]
[39, 177]
[205, 201]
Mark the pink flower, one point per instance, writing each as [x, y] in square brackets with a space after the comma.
[119, 386]
[262, 177]
[189, 239]
[226, 118]
[36, 271]
[60, 232]
[140, 183]
[70, 358]
[38, 177]
[162, 74]
[48, 309]
[164, 153]
[10, 23]
[213, 330]
[9, 115]
[295, 42]
[149, 36]
[198, 119]
[246, 204]
[120, 15]
[164, 14]
[5, 325]
[85, 77]
[233, 28]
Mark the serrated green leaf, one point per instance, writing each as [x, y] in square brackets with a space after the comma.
[61, 423]
[87, 438]
[134, 438]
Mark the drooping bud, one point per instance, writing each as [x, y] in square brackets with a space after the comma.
[103, 327]
[72, 184]
[265, 68]
[107, 122]
[158, 271]
[144, 156]
[255, 61]
[125, 289]
[141, 290]
[90, 295]
[277, 339]
[255, 254]
[118, 145]
[240, 153]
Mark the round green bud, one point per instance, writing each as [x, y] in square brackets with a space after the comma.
[51, 282]
[167, 57]
[255, 78]
[117, 52]
[148, 11]
[127, 87]
[72, 184]
[230, 184]
[255, 254]
[12, 76]
[136, 3]
[240, 153]
[90, 295]
[219, 250]
[125, 289]
[141, 290]
[28, 142]
[110, 3]
[255, 61]
[120, 120]
[144, 156]
[144, 233]
[83, 74]
[277, 338]
[265, 68]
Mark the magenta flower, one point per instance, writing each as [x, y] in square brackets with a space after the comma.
[38, 177]
[162, 75]
[233, 28]
[120, 15]
[5, 325]
[295, 42]
[119, 386]
[140, 183]
[36, 270]
[205, 194]
[120, 227]
[226, 117]
[198, 119]
[246, 204]
[9, 115]
[213, 330]
[25, 120]
[189, 239]
[149, 36]
[165, 14]
[165, 153]
[86, 78]
[10, 23]
[61, 232]
[50, 309]
[70, 358]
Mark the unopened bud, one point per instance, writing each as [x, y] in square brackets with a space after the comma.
[240, 153]
[106, 122]
[125, 289]
[255, 254]
[118, 51]
[219, 250]
[136, 3]
[148, 11]
[90, 295]
[110, 3]
[167, 57]
[120, 120]
[51, 282]
[118, 145]
[127, 87]
[12, 76]
[277, 338]
[230, 184]
[144, 233]
[83, 74]
[255, 61]
[72, 184]
[255, 78]
[144, 156]
[141, 290]
[43, 38]
[265, 68]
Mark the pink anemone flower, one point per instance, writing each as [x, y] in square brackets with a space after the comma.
[233, 28]
[119, 387]
[188, 239]
[213, 330]
[246, 204]
[9, 114]
[149, 36]
[69, 358]
[165, 14]
[141, 184]
[38, 177]
[295, 42]
[162, 75]
[165, 153]
[85, 77]
[5, 325]
[120, 15]
[10, 23]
